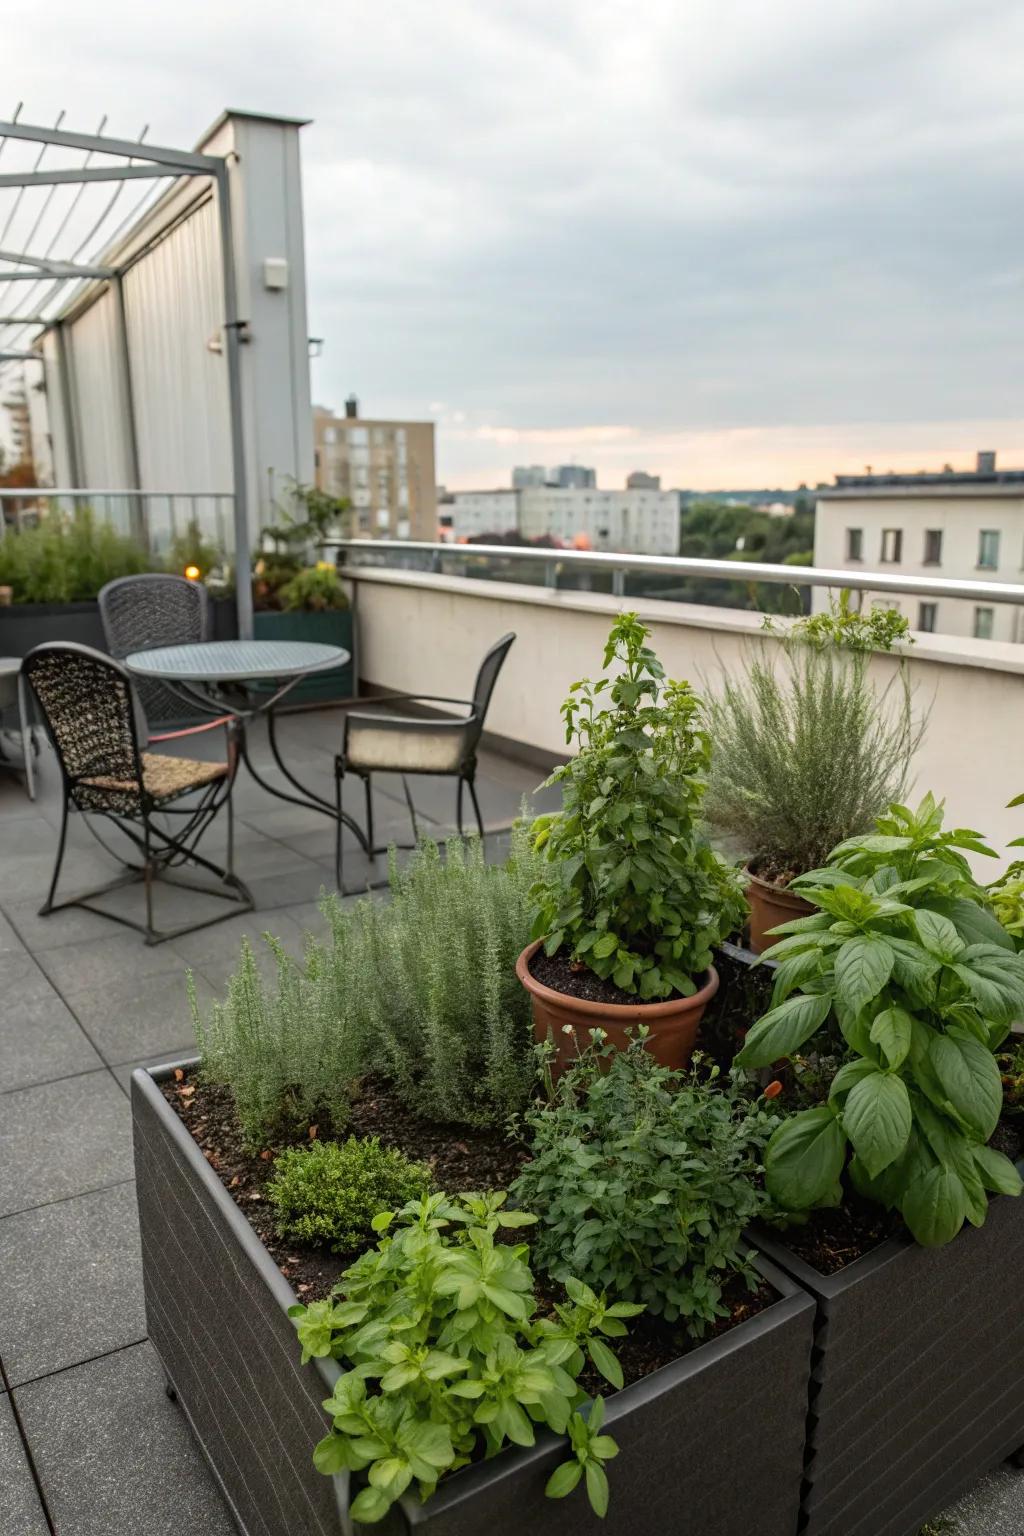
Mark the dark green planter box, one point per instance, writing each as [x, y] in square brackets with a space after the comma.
[335, 628]
[23, 626]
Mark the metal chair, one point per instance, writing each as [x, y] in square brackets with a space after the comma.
[12, 696]
[88, 706]
[139, 613]
[413, 744]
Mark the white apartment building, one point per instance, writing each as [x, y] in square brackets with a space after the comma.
[958, 526]
[629, 522]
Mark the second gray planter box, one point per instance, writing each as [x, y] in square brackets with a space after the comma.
[917, 1381]
[712, 1443]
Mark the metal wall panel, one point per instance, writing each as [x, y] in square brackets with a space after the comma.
[96, 367]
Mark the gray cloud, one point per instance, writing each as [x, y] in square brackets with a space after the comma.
[674, 217]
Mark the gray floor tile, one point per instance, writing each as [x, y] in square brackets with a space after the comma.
[139, 1016]
[40, 1040]
[115, 1456]
[70, 1283]
[216, 953]
[22, 1513]
[63, 1139]
[995, 1507]
[108, 961]
[74, 925]
[9, 940]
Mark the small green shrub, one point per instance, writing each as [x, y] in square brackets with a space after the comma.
[643, 1180]
[314, 589]
[807, 752]
[441, 1354]
[630, 885]
[924, 985]
[67, 560]
[421, 988]
[329, 1192]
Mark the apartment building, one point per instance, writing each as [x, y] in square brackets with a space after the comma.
[385, 468]
[958, 525]
[630, 522]
[568, 476]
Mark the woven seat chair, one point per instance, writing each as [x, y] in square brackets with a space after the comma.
[88, 706]
[403, 744]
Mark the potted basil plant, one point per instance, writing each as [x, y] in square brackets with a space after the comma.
[631, 898]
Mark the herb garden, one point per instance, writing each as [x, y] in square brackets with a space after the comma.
[532, 1198]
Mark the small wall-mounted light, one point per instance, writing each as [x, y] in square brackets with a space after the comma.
[192, 573]
[315, 345]
[275, 273]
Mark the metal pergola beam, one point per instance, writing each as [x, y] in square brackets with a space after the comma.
[89, 173]
[25, 319]
[97, 144]
[59, 277]
[52, 267]
[8, 354]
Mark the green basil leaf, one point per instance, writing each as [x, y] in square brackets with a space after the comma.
[969, 1076]
[996, 1171]
[804, 1159]
[784, 1029]
[605, 1362]
[938, 934]
[876, 1117]
[892, 1030]
[863, 966]
[934, 1207]
[564, 1479]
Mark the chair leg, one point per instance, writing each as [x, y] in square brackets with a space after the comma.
[412, 809]
[28, 741]
[47, 905]
[370, 844]
[148, 882]
[476, 807]
[339, 774]
[231, 836]
[458, 807]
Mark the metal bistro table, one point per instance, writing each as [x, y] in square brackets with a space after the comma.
[212, 677]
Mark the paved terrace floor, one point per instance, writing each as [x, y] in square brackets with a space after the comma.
[89, 1444]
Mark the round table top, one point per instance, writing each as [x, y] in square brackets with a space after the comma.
[235, 661]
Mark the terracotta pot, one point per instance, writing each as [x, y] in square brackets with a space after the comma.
[673, 1025]
[770, 905]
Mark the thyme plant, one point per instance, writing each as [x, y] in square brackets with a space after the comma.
[924, 984]
[329, 1192]
[442, 1352]
[807, 750]
[644, 1179]
[630, 886]
[421, 988]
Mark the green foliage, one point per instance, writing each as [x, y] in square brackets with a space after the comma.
[643, 1180]
[314, 589]
[847, 625]
[330, 1191]
[192, 547]
[924, 984]
[66, 560]
[421, 988]
[442, 1353]
[630, 885]
[305, 517]
[807, 751]
[1007, 894]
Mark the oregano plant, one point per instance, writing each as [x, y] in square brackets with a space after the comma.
[630, 885]
[443, 1353]
[922, 982]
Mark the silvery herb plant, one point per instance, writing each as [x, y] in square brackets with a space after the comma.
[923, 984]
[442, 1353]
[630, 885]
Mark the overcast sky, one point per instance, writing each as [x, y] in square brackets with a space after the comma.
[733, 242]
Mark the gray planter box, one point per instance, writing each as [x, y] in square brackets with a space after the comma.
[917, 1384]
[712, 1443]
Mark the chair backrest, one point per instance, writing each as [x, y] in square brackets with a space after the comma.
[85, 700]
[488, 676]
[139, 613]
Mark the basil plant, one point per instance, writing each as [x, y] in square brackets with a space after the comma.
[905, 959]
[630, 885]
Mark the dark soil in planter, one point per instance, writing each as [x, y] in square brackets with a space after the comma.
[559, 973]
[461, 1157]
[775, 871]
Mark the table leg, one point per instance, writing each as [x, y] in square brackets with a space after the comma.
[309, 801]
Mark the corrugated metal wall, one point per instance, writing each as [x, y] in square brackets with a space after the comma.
[174, 305]
[101, 400]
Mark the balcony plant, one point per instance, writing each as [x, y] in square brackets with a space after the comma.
[903, 984]
[631, 898]
[808, 750]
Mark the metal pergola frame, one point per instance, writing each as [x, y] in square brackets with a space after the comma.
[139, 161]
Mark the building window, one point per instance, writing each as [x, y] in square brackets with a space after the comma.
[892, 546]
[988, 549]
[854, 543]
[358, 437]
[330, 434]
[927, 613]
[933, 546]
[983, 623]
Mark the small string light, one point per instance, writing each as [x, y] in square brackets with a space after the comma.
[192, 572]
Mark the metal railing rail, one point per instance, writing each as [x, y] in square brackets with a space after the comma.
[619, 565]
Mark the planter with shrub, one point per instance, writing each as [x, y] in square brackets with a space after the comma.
[501, 1371]
[807, 751]
[896, 993]
[631, 898]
